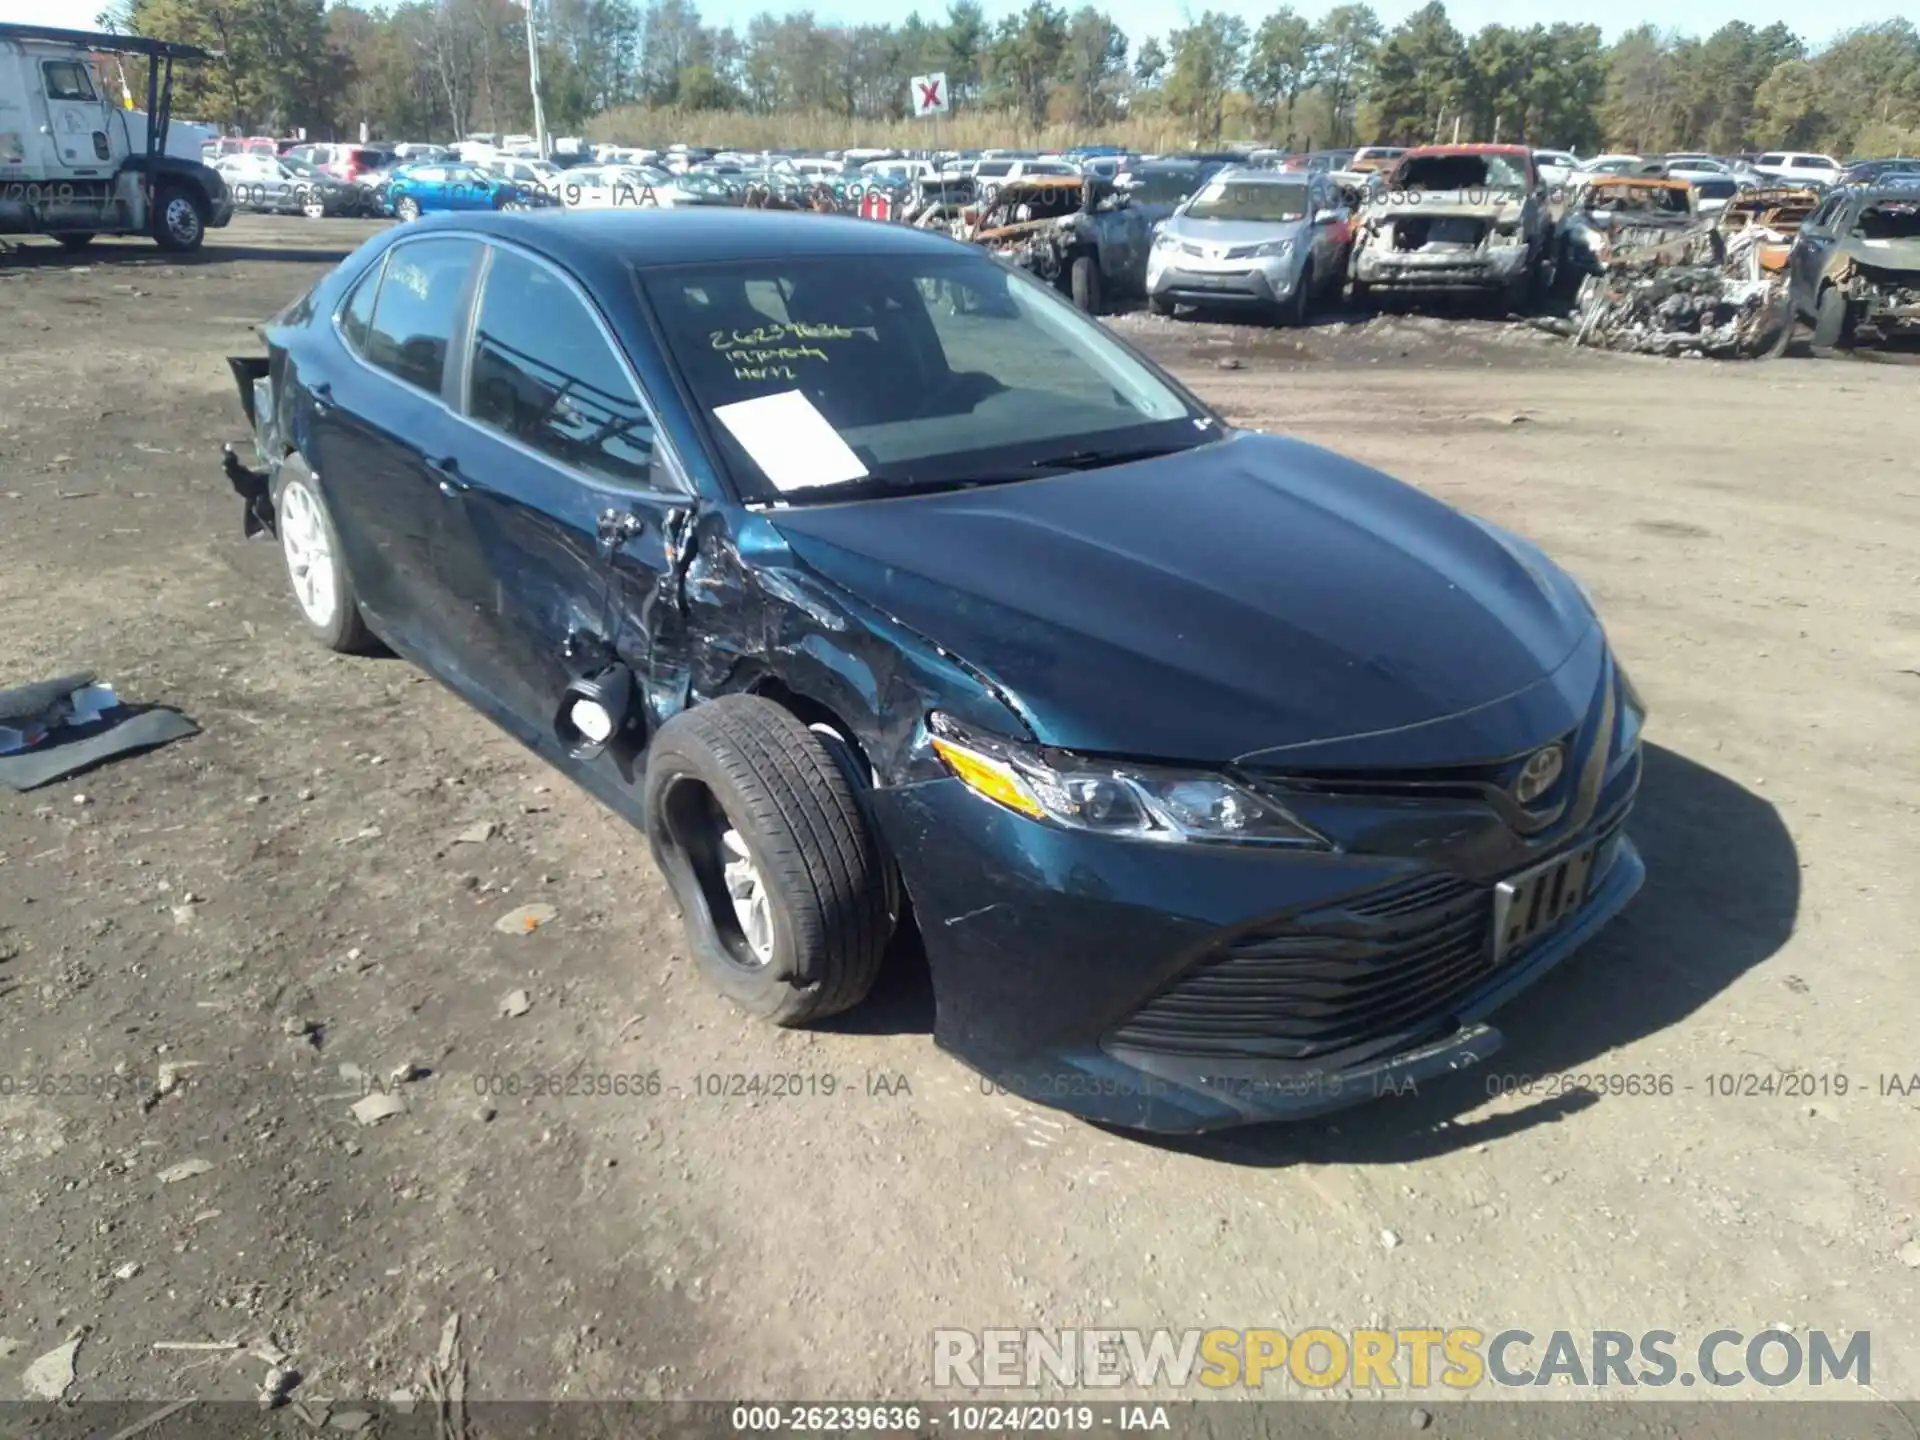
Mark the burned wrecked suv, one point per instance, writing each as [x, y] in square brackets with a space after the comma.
[1854, 268]
[1221, 777]
[1458, 218]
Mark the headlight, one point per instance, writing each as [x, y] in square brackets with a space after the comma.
[1141, 802]
[1275, 250]
[1165, 241]
[1633, 711]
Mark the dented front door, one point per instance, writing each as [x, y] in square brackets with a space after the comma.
[555, 477]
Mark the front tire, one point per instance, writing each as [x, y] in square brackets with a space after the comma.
[1833, 321]
[1297, 308]
[406, 208]
[1085, 282]
[179, 220]
[311, 547]
[777, 869]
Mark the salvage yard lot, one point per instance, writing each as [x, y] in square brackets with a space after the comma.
[331, 854]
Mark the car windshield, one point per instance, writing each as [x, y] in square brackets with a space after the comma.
[1164, 187]
[905, 372]
[1640, 199]
[1460, 172]
[1270, 201]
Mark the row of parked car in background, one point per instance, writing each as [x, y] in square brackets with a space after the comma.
[1261, 231]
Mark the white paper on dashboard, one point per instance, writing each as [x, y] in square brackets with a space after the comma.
[790, 440]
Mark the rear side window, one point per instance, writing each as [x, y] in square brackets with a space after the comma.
[1771, 159]
[420, 300]
[356, 320]
[545, 374]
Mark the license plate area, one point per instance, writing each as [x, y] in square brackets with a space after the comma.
[1528, 905]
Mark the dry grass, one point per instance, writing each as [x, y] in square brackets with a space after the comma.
[640, 125]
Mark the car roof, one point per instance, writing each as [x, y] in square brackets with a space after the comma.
[1421, 151]
[588, 240]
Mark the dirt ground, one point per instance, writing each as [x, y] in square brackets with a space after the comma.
[1750, 531]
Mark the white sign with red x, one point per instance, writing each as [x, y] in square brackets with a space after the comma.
[929, 94]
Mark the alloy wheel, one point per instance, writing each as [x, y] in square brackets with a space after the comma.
[751, 905]
[309, 553]
[183, 221]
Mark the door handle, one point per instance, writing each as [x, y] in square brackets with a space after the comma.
[446, 471]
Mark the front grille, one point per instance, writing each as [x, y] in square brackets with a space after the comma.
[1377, 966]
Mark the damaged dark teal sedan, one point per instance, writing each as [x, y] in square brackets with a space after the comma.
[1223, 779]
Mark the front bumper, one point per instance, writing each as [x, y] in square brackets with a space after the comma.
[1253, 282]
[1190, 987]
[1488, 268]
[220, 214]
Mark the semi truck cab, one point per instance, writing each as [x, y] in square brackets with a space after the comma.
[75, 164]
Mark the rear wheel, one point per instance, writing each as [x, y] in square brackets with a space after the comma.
[771, 855]
[1085, 281]
[1833, 320]
[318, 575]
[179, 219]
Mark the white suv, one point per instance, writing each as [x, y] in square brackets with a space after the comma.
[1793, 165]
[990, 175]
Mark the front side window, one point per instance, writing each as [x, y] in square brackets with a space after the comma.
[420, 300]
[932, 370]
[68, 80]
[544, 373]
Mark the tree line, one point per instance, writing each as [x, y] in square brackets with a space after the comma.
[654, 70]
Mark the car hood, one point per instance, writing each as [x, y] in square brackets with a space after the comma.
[1234, 232]
[1249, 594]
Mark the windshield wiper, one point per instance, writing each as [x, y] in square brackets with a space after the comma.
[1100, 459]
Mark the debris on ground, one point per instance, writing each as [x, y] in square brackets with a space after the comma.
[407, 1071]
[126, 1271]
[445, 1379]
[477, 834]
[165, 1412]
[185, 1170]
[372, 1109]
[49, 1377]
[57, 728]
[277, 1385]
[525, 919]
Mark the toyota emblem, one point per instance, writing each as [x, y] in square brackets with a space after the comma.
[1536, 777]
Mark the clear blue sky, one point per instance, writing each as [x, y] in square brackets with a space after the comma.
[1140, 18]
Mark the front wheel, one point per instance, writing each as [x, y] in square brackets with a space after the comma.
[319, 577]
[179, 220]
[1298, 307]
[1085, 281]
[314, 208]
[772, 856]
[406, 208]
[1833, 320]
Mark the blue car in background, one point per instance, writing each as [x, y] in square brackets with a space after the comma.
[415, 190]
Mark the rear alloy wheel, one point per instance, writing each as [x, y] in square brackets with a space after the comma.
[314, 568]
[406, 208]
[772, 857]
[1833, 320]
[1085, 282]
[179, 223]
